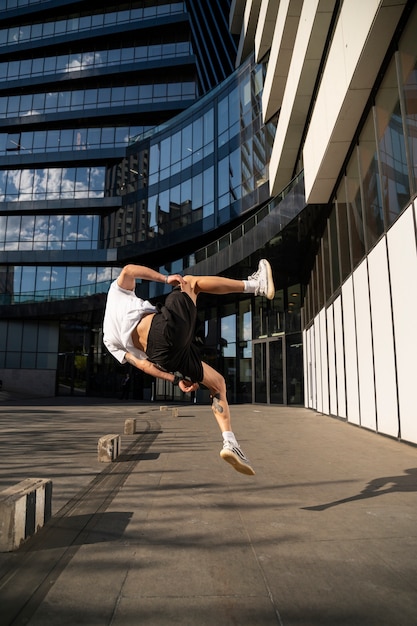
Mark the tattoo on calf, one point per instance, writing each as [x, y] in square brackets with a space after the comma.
[215, 400]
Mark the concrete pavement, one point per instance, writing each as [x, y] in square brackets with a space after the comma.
[324, 534]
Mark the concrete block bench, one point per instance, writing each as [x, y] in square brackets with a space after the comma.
[108, 448]
[130, 426]
[24, 509]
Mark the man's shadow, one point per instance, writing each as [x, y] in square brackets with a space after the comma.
[377, 487]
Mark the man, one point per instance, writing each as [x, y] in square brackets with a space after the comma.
[159, 339]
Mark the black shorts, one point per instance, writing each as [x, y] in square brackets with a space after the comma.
[171, 336]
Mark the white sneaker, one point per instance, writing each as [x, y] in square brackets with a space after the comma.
[263, 276]
[233, 454]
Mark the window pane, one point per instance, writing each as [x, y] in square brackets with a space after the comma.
[50, 65]
[208, 128]
[90, 99]
[37, 66]
[208, 185]
[372, 200]
[165, 153]
[152, 211]
[186, 147]
[197, 201]
[14, 336]
[25, 68]
[223, 176]
[228, 335]
[408, 61]
[28, 279]
[104, 96]
[197, 134]
[73, 276]
[52, 139]
[80, 139]
[334, 251]
[84, 232]
[43, 279]
[51, 101]
[27, 228]
[235, 175]
[107, 136]
[354, 204]
[223, 115]
[39, 141]
[175, 195]
[13, 142]
[63, 186]
[186, 191]
[326, 263]
[93, 137]
[342, 220]
[13, 184]
[64, 101]
[38, 103]
[13, 103]
[77, 99]
[391, 144]
[56, 224]
[27, 141]
[12, 232]
[30, 336]
[176, 147]
[70, 232]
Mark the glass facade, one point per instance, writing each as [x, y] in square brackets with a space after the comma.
[99, 167]
[379, 177]
[28, 345]
[200, 171]
[66, 140]
[52, 183]
[76, 86]
[85, 20]
[106, 159]
[93, 59]
[207, 168]
[105, 97]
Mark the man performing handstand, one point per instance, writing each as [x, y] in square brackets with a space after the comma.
[159, 339]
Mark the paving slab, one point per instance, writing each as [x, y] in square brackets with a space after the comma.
[325, 533]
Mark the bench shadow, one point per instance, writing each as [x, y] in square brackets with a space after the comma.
[79, 530]
[141, 456]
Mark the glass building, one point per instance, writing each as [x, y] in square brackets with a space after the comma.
[125, 136]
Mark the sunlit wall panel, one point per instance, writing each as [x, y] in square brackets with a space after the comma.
[402, 257]
[383, 342]
[351, 357]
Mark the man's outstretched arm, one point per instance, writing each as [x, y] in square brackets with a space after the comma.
[130, 273]
[149, 368]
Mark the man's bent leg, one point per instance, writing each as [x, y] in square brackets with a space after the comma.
[231, 451]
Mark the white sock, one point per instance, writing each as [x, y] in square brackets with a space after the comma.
[249, 286]
[228, 435]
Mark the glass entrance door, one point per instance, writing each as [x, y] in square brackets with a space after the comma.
[268, 385]
[259, 392]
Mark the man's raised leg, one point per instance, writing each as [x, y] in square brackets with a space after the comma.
[260, 283]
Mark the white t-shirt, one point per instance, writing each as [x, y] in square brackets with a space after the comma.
[124, 310]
